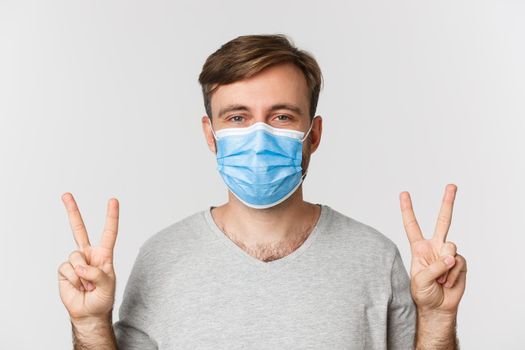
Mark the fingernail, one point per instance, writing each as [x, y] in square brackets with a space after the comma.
[82, 288]
[448, 285]
[90, 286]
[449, 260]
[81, 268]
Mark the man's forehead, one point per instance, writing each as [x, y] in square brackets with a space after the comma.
[277, 88]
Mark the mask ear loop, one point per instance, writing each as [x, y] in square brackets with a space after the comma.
[212, 131]
[304, 138]
[304, 175]
[309, 129]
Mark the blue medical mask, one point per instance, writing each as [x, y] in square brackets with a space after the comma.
[260, 164]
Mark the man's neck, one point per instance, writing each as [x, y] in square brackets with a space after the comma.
[271, 233]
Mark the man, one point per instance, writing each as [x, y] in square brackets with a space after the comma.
[266, 269]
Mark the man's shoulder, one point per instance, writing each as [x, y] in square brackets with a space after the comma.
[179, 235]
[350, 232]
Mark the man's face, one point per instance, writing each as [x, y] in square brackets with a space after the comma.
[277, 96]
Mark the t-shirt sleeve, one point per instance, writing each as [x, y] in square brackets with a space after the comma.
[131, 330]
[401, 309]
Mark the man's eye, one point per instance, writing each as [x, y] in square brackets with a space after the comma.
[237, 118]
[283, 117]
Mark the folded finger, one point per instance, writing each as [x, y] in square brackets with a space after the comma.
[78, 258]
[453, 275]
[96, 276]
[425, 278]
[448, 248]
[67, 272]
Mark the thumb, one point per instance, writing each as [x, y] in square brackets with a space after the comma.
[93, 274]
[428, 276]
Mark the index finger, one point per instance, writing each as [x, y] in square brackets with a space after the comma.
[109, 236]
[76, 222]
[412, 228]
[445, 213]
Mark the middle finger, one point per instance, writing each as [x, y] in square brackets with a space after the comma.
[445, 213]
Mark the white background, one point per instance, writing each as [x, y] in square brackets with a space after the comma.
[100, 98]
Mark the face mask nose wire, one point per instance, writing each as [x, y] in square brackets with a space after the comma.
[302, 140]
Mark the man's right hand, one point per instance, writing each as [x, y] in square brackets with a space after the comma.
[87, 280]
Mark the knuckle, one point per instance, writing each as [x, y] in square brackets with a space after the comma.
[111, 232]
[73, 255]
[461, 261]
[452, 245]
[101, 277]
[94, 272]
[454, 271]
[410, 223]
[76, 255]
[449, 248]
[64, 267]
[451, 281]
[454, 274]
[78, 226]
[443, 219]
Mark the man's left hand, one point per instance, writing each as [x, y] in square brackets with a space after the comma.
[438, 273]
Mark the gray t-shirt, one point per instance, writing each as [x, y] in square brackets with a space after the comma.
[191, 287]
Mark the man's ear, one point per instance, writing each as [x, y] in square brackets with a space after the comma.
[208, 135]
[315, 133]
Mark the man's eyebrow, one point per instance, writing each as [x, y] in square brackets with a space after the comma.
[287, 106]
[239, 107]
[231, 108]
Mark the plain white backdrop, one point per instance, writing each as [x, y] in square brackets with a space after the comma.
[101, 99]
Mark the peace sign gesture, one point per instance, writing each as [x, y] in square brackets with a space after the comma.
[438, 273]
[87, 279]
